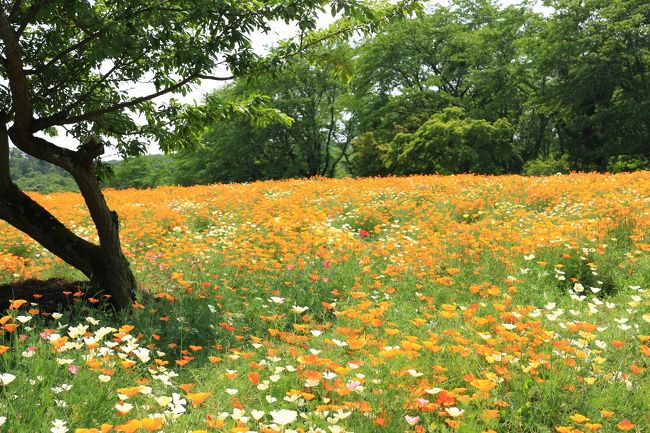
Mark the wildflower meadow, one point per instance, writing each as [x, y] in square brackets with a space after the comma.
[415, 304]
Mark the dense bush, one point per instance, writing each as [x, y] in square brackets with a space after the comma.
[547, 166]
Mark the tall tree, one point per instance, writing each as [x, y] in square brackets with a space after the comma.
[594, 60]
[468, 54]
[313, 90]
[73, 63]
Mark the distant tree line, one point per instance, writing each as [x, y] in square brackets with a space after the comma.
[470, 87]
[32, 174]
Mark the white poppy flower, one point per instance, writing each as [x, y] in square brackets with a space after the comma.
[284, 416]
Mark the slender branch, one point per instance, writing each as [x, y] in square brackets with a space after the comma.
[80, 44]
[90, 37]
[56, 85]
[84, 97]
[344, 149]
[60, 119]
[302, 48]
[31, 13]
[210, 77]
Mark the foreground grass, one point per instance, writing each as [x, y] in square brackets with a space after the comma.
[469, 304]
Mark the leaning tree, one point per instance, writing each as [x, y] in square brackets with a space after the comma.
[98, 69]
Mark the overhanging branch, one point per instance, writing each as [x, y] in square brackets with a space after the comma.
[83, 42]
[31, 13]
[60, 119]
[213, 78]
[43, 149]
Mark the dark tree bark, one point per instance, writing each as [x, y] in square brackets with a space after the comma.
[112, 270]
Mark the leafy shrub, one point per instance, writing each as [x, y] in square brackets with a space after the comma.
[452, 142]
[625, 163]
[547, 166]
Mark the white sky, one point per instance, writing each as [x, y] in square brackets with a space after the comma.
[261, 43]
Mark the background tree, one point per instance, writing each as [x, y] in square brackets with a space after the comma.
[147, 171]
[312, 90]
[32, 174]
[72, 63]
[467, 55]
[593, 58]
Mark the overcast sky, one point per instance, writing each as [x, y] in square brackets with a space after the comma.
[261, 43]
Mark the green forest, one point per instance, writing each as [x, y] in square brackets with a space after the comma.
[473, 87]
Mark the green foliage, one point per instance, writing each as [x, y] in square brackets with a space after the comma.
[31, 174]
[311, 139]
[623, 163]
[547, 166]
[140, 172]
[82, 58]
[464, 55]
[368, 156]
[450, 142]
[571, 83]
[530, 87]
[591, 61]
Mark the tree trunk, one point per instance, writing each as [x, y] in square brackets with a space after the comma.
[105, 265]
[113, 272]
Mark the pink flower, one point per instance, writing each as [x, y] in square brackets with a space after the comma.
[352, 385]
[412, 420]
[73, 369]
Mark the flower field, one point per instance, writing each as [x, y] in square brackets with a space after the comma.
[418, 304]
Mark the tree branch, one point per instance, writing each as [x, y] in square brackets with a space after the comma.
[210, 77]
[92, 148]
[19, 210]
[43, 149]
[84, 97]
[16, 76]
[29, 16]
[70, 49]
[60, 119]
[15, 8]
